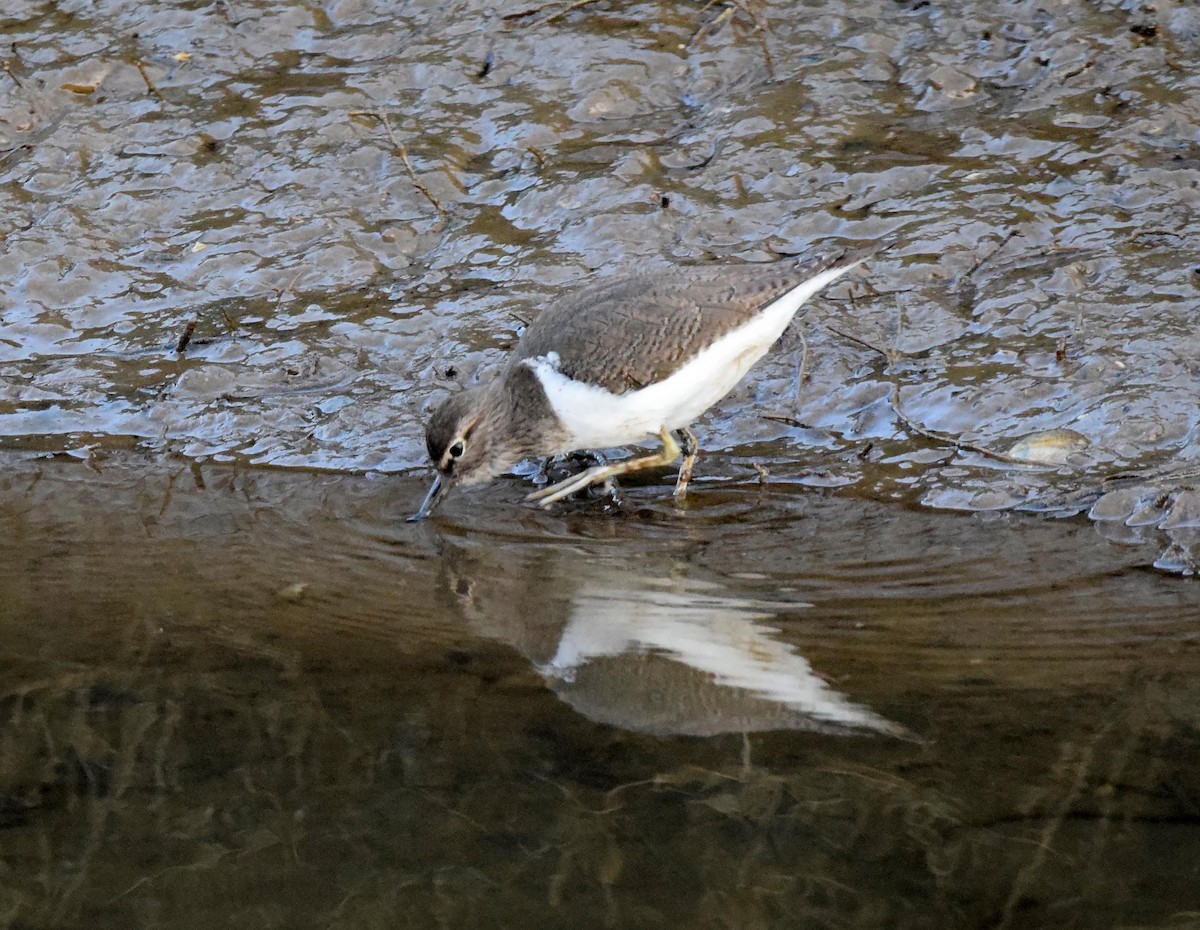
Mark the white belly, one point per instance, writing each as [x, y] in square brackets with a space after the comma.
[596, 419]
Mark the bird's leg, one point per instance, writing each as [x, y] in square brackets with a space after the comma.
[669, 453]
[565, 462]
[687, 440]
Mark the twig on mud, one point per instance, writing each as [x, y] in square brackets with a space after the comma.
[705, 29]
[186, 336]
[802, 376]
[570, 8]
[536, 153]
[141, 66]
[733, 7]
[964, 287]
[1009, 237]
[289, 288]
[402, 151]
[788, 421]
[542, 7]
[760, 33]
[1060, 353]
[891, 356]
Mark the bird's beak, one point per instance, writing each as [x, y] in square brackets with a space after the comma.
[432, 499]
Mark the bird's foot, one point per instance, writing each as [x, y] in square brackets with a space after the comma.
[546, 496]
[603, 473]
[689, 447]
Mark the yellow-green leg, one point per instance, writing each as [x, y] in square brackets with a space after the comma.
[687, 439]
[669, 453]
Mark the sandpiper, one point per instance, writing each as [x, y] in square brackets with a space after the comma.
[617, 362]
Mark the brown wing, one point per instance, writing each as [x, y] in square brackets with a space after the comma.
[625, 333]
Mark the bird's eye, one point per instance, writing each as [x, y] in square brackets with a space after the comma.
[457, 450]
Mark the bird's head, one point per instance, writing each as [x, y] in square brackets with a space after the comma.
[467, 442]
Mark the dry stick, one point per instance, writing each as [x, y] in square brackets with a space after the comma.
[801, 376]
[541, 159]
[738, 5]
[1060, 353]
[186, 336]
[542, 7]
[761, 34]
[704, 30]
[570, 8]
[15, 79]
[149, 83]
[402, 151]
[957, 442]
[1012, 234]
[521, 14]
[288, 288]
[802, 372]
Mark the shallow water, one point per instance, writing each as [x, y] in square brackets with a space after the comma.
[919, 651]
[236, 696]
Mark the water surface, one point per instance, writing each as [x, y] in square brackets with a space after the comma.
[235, 696]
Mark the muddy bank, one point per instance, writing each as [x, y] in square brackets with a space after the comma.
[351, 208]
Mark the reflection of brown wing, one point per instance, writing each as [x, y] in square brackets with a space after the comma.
[633, 331]
[651, 693]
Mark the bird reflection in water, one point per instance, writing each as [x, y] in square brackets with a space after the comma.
[656, 651]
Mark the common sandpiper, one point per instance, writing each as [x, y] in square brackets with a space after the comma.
[617, 362]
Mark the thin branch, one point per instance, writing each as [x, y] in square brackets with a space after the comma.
[186, 336]
[890, 356]
[402, 151]
[536, 153]
[760, 33]
[787, 421]
[705, 29]
[733, 7]
[802, 375]
[1012, 234]
[570, 8]
[279, 297]
[149, 83]
[542, 7]
[1060, 353]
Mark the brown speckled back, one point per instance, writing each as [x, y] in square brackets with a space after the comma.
[630, 331]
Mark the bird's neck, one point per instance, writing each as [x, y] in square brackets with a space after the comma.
[523, 413]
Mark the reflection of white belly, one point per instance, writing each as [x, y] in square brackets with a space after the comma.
[595, 418]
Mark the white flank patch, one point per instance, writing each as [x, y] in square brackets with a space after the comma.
[598, 419]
